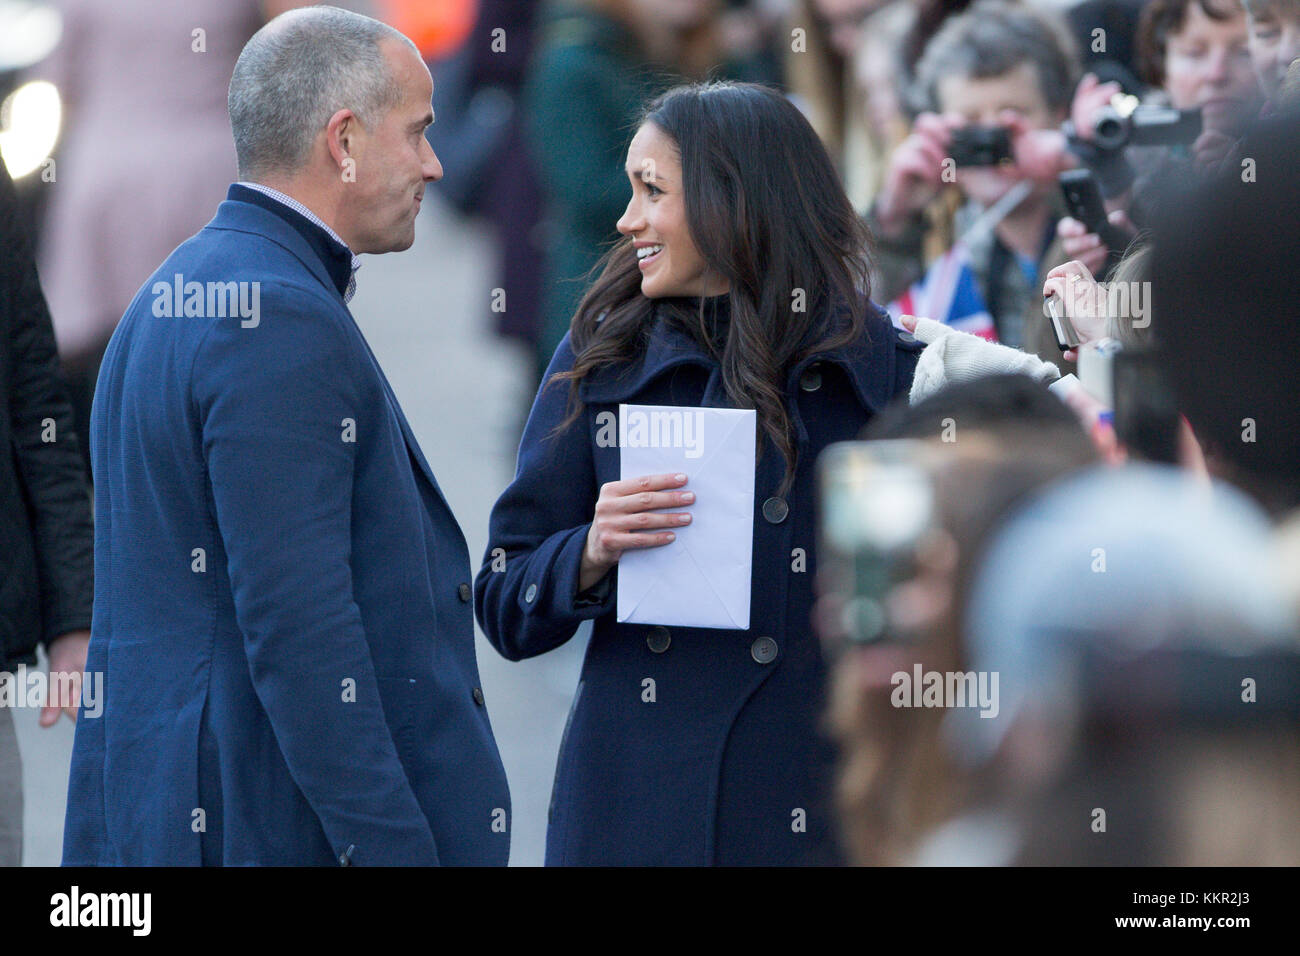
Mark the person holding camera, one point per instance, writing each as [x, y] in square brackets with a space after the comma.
[970, 201]
[1196, 55]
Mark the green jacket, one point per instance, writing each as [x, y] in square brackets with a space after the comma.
[585, 89]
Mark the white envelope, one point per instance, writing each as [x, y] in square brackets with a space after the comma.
[701, 579]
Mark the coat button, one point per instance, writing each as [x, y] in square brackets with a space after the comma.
[658, 639]
[775, 510]
[478, 696]
[531, 594]
[465, 592]
[907, 338]
[763, 650]
[811, 380]
[345, 858]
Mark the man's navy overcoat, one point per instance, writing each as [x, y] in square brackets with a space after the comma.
[282, 605]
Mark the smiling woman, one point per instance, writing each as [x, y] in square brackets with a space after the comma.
[740, 282]
[732, 182]
[656, 221]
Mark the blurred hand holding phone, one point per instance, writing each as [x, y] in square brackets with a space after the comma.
[1083, 199]
[1076, 307]
[877, 511]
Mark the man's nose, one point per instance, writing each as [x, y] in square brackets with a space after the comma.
[430, 164]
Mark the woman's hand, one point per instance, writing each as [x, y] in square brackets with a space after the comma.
[67, 671]
[1081, 299]
[1090, 413]
[951, 357]
[627, 517]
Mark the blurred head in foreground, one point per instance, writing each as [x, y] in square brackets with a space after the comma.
[1139, 691]
[985, 445]
[1149, 673]
[1225, 283]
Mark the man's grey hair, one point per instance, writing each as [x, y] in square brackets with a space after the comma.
[993, 37]
[298, 71]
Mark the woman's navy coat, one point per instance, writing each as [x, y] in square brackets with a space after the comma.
[727, 765]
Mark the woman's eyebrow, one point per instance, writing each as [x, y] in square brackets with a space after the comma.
[641, 175]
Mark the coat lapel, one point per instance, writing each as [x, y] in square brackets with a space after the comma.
[870, 363]
[668, 348]
[239, 216]
[245, 217]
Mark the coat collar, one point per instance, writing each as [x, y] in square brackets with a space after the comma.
[239, 215]
[337, 258]
[869, 363]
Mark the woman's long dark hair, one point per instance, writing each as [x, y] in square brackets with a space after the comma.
[767, 212]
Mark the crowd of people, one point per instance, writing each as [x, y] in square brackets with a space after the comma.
[1203, 96]
[1009, 286]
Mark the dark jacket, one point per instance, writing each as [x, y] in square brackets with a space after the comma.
[283, 606]
[719, 768]
[46, 536]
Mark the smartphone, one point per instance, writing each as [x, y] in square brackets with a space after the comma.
[876, 505]
[980, 146]
[1083, 200]
[1146, 411]
[1067, 337]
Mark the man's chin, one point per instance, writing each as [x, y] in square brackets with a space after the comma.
[398, 242]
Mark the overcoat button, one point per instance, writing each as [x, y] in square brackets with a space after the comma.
[658, 639]
[763, 650]
[478, 696]
[465, 592]
[775, 510]
[907, 338]
[345, 858]
[531, 594]
[811, 380]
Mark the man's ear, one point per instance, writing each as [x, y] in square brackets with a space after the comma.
[341, 137]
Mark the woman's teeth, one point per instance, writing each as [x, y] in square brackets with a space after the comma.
[649, 251]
